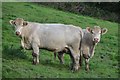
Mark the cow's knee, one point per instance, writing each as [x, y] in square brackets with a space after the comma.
[86, 56]
[34, 54]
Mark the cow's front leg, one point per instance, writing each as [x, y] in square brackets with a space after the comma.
[87, 64]
[22, 44]
[35, 54]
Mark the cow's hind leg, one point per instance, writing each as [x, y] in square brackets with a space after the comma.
[61, 57]
[80, 60]
[75, 59]
[55, 55]
[35, 54]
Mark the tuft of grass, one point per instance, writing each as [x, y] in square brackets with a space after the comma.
[17, 63]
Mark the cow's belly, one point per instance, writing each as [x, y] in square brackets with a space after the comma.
[54, 44]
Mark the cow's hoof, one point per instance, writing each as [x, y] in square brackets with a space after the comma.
[61, 62]
[73, 69]
[71, 66]
[80, 64]
[87, 70]
[76, 68]
[35, 63]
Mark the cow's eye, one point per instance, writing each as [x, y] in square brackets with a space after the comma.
[92, 31]
[22, 25]
[99, 32]
[14, 23]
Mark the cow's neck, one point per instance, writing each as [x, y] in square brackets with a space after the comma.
[92, 49]
[89, 39]
[26, 31]
[92, 45]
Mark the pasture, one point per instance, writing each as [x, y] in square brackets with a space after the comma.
[16, 63]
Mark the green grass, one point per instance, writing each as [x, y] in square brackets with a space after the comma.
[16, 63]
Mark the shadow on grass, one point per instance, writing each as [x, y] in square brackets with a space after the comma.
[12, 52]
[54, 64]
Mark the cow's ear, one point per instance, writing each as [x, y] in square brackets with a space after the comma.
[104, 30]
[89, 29]
[25, 23]
[12, 22]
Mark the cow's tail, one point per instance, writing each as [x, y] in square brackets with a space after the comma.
[80, 48]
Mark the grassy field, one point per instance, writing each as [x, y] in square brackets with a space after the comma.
[16, 63]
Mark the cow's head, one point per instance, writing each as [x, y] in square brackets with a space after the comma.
[18, 23]
[96, 32]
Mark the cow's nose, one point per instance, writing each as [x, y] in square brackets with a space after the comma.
[17, 33]
[96, 39]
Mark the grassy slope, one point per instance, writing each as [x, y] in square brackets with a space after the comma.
[17, 63]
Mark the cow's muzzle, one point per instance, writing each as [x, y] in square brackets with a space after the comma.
[96, 40]
[17, 33]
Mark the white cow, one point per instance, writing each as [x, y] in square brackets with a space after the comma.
[53, 37]
[90, 39]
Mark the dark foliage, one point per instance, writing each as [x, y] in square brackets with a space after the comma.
[102, 10]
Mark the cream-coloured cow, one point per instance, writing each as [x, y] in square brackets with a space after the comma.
[53, 37]
[90, 40]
